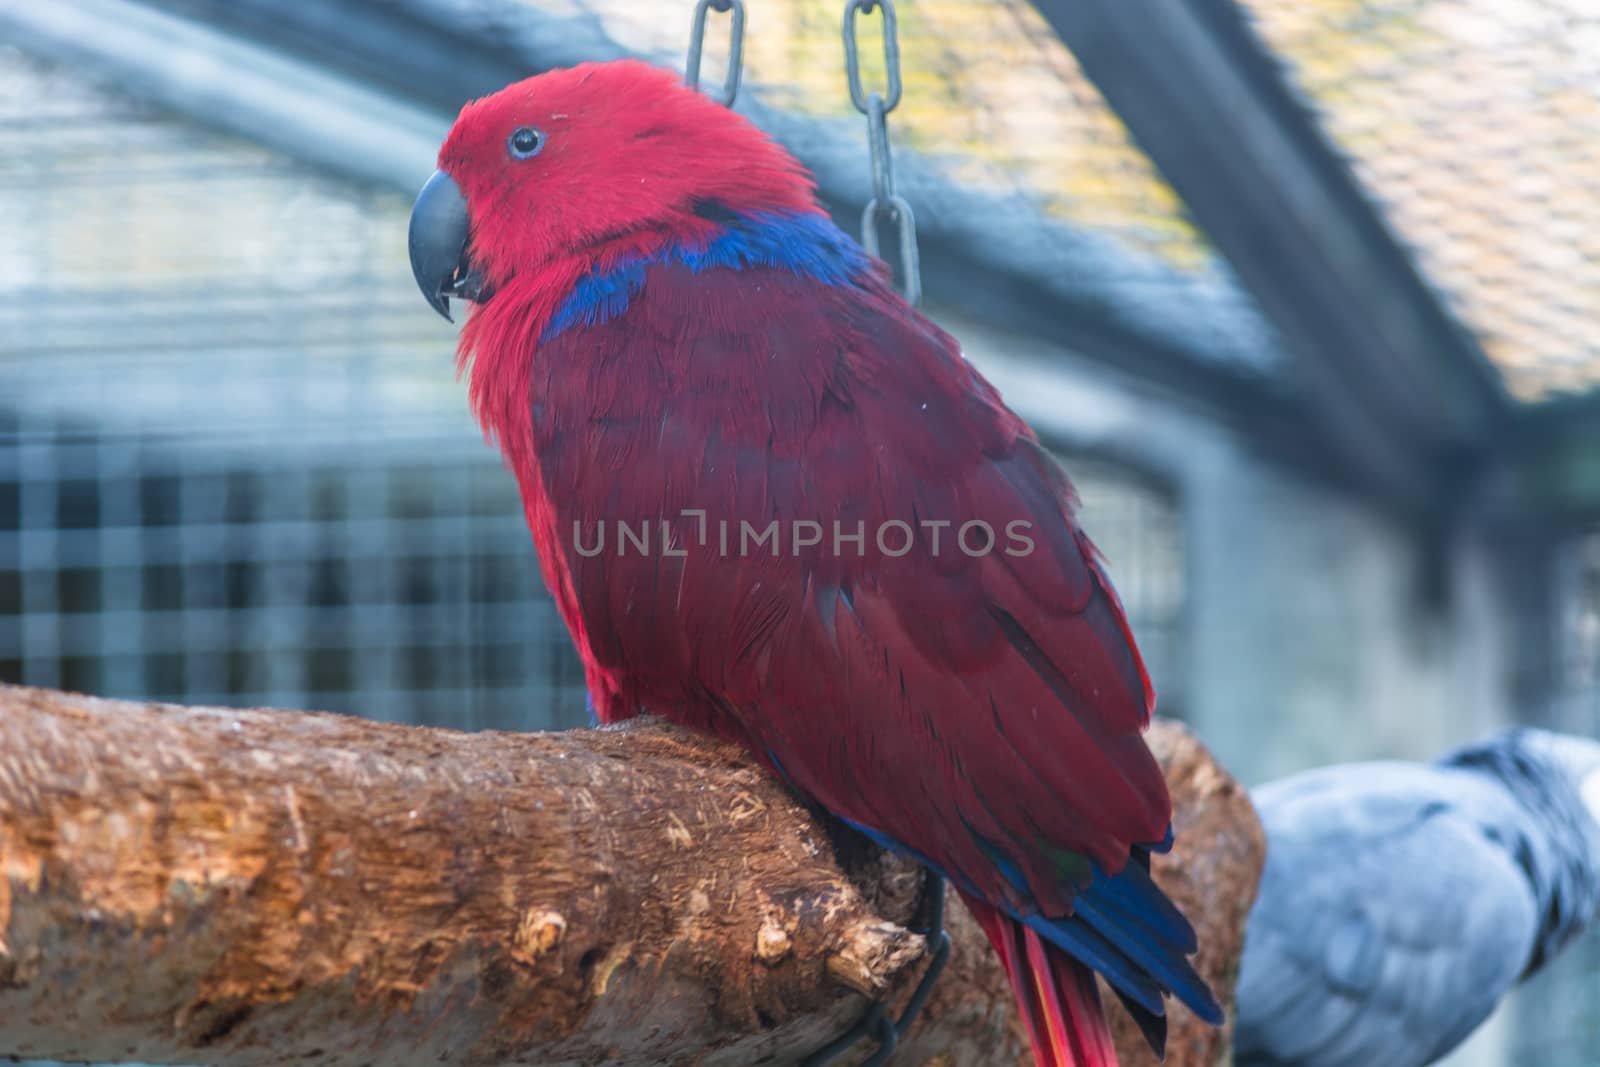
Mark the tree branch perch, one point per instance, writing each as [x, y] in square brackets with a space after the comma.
[202, 885]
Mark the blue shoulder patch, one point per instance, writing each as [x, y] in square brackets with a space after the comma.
[809, 245]
[596, 298]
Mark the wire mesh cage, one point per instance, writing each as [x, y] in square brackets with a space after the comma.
[392, 583]
[236, 467]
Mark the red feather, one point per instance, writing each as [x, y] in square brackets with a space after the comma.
[984, 710]
[1002, 690]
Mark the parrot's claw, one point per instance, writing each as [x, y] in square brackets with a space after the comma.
[875, 1021]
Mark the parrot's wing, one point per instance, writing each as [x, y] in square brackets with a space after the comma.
[979, 703]
[1386, 928]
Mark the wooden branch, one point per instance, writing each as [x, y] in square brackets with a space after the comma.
[202, 885]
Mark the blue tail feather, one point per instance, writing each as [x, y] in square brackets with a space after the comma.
[1092, 948]
[1124, 927]
[1133, 899]
[1149, 936]
[1137, 948]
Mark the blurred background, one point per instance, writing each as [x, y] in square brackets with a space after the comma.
[1305, 293]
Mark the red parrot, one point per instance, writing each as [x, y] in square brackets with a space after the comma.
[775, 503]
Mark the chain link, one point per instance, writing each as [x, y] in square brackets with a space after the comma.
[891, 51]
[899, 212]
[876, 106]
[697, 41]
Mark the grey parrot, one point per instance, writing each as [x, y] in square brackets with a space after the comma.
[1401, 901]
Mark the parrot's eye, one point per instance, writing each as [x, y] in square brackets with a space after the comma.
[525, 142]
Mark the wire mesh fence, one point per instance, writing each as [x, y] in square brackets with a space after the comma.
[392, 582]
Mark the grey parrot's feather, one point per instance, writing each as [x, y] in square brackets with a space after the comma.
[1400, 902]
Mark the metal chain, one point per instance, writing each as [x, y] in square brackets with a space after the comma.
[697, 41]
[876, 106]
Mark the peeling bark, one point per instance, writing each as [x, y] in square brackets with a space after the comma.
[203, 885]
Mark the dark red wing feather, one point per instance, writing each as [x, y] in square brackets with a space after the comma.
[956, 704]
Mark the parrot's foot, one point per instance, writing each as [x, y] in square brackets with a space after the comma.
[875, 1022]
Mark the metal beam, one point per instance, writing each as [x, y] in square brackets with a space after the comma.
[1256, 406]
[1402, 393]
[376, 42]
[273, 99]
[1550, 474]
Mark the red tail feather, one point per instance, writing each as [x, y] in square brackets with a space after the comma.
[1057, 995]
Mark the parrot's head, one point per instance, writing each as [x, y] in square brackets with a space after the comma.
[587, 162]
[1556, 780]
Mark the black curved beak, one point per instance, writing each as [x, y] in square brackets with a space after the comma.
[438, 244]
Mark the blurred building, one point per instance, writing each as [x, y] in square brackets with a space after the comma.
[1304, 292]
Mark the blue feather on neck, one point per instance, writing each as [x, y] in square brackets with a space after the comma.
[809, 245]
